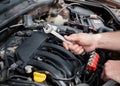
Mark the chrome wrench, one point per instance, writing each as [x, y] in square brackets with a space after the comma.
[52, 29]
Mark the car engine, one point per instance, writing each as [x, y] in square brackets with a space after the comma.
[31, 57]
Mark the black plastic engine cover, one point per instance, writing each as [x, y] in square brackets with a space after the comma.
[27, 49]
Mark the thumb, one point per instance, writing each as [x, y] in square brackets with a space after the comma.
[73, 37]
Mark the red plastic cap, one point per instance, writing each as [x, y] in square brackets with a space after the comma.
[93, 62]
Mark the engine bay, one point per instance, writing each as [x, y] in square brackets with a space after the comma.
[30, 57]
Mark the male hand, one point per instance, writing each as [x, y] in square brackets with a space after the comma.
[81, 41]
[111, 71]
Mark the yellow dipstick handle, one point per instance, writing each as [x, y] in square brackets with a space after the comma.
[39, 77]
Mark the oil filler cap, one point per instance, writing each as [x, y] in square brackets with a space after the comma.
[39, 77]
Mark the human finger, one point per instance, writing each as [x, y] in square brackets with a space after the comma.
[65, 46]
[76, 49]
[79, 50]
[104, 75]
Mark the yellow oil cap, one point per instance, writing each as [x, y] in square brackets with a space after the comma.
[39, 77]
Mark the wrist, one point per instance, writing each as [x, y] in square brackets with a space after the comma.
[97, 38]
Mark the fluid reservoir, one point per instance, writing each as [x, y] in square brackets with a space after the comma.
[56, 19]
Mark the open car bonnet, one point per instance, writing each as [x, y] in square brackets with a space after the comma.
[11, 9]
[31, 57]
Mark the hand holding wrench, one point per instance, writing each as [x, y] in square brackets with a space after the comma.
[52, 29]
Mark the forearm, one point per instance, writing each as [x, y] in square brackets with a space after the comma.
[108, 40]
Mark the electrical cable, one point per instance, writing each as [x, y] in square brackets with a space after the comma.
[92, 78]
[63, 79]
[23, 82]
[10, 78]
[12, 26]
[67, 6]
[16, 76]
